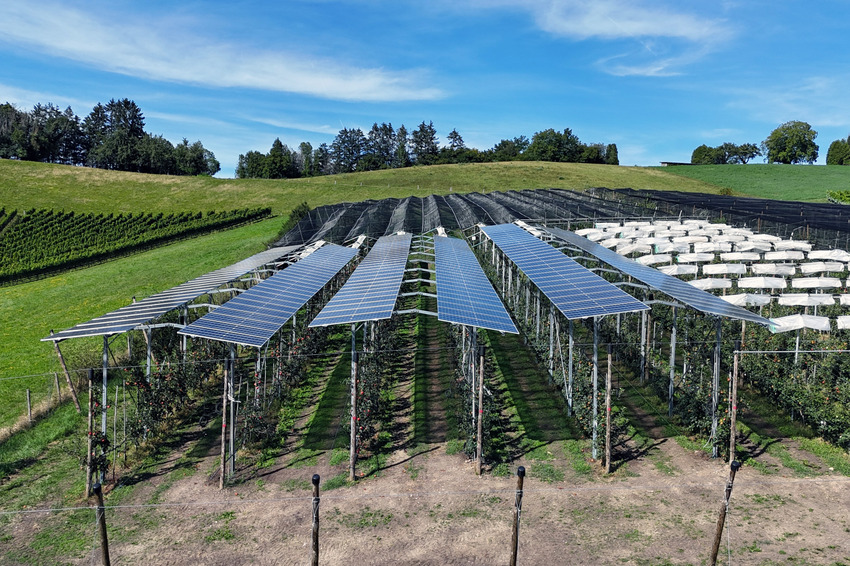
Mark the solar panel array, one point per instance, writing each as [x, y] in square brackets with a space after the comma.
[371, 291]
[253, 317]
[574, 290]
[464, 294]
[131, 316]
[667, 284]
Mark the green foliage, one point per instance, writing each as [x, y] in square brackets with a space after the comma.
[792, 142]
[839, 152]
[724, 154]
[38, 242]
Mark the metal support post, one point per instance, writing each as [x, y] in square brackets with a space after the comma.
[595, 387]
[232, 395]
[671, 385]
[480, 437]
[570, 371]
[352, 454]
[551, 343]
[733, 403]
[642, 346]
[715, 391]
[608, 413]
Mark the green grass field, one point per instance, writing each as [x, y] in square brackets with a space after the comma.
[781, 182]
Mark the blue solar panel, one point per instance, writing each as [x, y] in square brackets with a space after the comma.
[131, 316]
[464, 294]
[256, 315]
[667, 284]
[371, 291]
[574, 290]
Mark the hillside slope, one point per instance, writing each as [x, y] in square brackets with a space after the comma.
[25, 185]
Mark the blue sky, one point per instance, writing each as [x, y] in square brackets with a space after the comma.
[658, 78]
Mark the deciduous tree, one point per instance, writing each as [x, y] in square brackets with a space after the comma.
[792, 142]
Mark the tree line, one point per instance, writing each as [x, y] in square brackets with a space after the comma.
[791, 142]
[112, 136]
[386, 147]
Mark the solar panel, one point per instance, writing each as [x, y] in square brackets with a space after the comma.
[667, 284]
[129, 317]
[371, 291]
[464, 294]
[253, 317]
[574, 290]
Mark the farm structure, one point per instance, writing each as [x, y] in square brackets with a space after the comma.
[528, 262]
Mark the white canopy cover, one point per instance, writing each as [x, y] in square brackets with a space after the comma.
[774, 268]
[750, 246]
[834, 255]
[816, 283]
[693, 258]
[747, 299]
[805, 300]
[712, 247]
[710, 283]
[792, 245]
[762, 283]
[784, 255]
[724, 268]
[798, 321]
[821, 267]
[740, 256]
[680, 269]
[654, 259]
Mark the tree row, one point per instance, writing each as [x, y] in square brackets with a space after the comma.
[112, 136]
[385, 147]
[791, 142]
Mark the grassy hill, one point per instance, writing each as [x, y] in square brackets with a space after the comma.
[25, 185]
[781, 182]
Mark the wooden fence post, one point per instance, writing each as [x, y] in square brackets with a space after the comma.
[315, 560]
[520, 474]
[67, 376]
[58, 391]
[29, 407]
[721, 519]
[101, 525]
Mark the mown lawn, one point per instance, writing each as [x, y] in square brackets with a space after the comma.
[781, 182]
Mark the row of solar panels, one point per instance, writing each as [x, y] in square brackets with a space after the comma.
[464, 294]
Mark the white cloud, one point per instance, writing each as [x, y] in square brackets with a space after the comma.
[149, 51]
[619, 19]
[303, 126]
[667, 35]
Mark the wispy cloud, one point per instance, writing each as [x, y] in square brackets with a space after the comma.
[150, 51]
[667, 36]
[301, 126]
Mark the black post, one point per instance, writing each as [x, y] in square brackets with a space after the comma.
[520, 474]
[315, 560]
[721, 519]
[101, 525]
